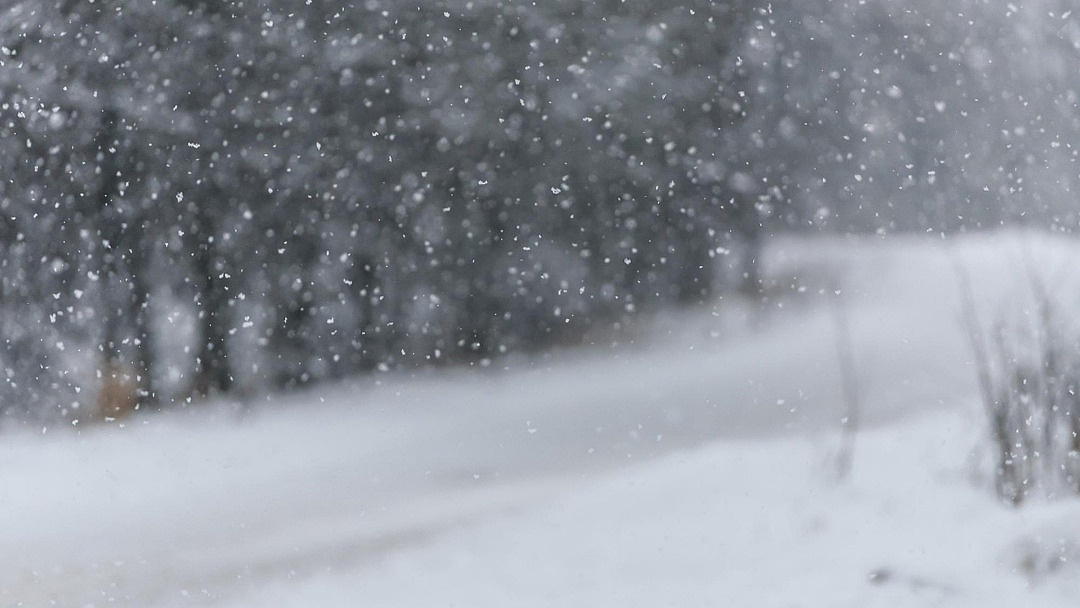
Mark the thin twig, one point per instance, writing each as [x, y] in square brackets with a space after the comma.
[849, 386]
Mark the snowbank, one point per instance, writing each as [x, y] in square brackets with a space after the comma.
[744, 523]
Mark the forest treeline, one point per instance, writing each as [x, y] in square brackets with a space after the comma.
[246, 196]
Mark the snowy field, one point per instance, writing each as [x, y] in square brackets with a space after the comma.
[690, 465]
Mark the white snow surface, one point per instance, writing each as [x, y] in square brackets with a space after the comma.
[691, 465]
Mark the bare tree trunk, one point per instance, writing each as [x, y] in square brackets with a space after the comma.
[364, 341]
[110, 232]
[144, 326]
[750, 265]
[695, 278]
[214, 374]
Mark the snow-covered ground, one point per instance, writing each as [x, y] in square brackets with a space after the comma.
[692, 467]
[742, 523]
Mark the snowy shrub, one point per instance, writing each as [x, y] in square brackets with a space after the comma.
[1029, 377]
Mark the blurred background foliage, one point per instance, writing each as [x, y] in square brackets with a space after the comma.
[239, 197]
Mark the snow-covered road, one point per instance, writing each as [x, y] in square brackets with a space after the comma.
[185, 510]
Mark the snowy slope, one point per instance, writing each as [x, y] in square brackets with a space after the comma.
[385, 481]
[743, 523]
